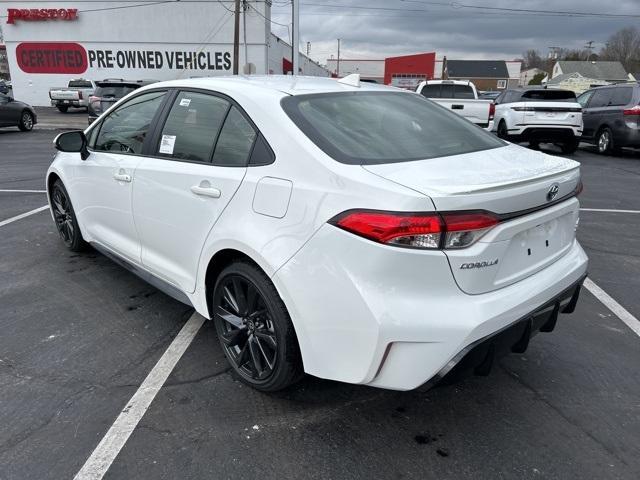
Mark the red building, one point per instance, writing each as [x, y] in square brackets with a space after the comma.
[407, 71]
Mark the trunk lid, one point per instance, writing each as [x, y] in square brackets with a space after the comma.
[550, 113]
[512, 182]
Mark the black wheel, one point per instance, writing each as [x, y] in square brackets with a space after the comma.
[534, 145]
[604, 141]
[63, 109]
[254, 328]
[502, 130]
[26, 121]
[65, 218]
[570, 146]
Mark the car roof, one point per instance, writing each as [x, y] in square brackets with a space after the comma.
[276, 84]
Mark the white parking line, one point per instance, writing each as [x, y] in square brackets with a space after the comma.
[22, 191]
[608, 210]
[22, 215]
[111, 444]
[632, 322]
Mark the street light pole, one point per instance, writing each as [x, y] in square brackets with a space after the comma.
[338, 61]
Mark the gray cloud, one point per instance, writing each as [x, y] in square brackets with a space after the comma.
[449, 29]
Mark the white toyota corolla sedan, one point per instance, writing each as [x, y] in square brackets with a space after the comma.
[351, 231]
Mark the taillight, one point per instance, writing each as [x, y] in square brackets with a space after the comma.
[632, 111]
[417, 230]
[492, 110]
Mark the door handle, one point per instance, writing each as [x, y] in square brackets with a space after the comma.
[206, 190]
[457, 107]
[122, 177]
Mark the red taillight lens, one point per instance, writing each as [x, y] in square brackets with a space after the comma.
[492, 110]
[410, 230]
[632, 111]
[421, 230]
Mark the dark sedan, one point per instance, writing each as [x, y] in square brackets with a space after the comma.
[16, 114]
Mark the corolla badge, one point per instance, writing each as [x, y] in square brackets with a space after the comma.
[469, 266]
[553, 191]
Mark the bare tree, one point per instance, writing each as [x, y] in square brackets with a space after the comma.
[532, 59]
[623, 46]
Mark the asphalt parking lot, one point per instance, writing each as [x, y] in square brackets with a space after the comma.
[79, 334]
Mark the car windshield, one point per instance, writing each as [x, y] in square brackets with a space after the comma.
[365, 128]
[549, 95]
[114, 91]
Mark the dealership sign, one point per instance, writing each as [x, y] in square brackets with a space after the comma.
[41, 14]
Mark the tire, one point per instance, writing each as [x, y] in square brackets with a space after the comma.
[254, 329]
[604, 141]
[63, 109]
[502, 130]
[65, 218]
[534, 145]
[26, 121]
[570, 146]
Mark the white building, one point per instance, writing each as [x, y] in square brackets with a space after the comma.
[51, 44]
[368, 69]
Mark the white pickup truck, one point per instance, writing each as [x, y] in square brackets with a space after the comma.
[75, 94]
[461, 97]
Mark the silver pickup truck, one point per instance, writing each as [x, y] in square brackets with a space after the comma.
[462, 97]
[76, 94]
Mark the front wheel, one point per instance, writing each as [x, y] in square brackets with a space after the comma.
[604, 141]
[65, 218]
[26, 121]
[254, 328]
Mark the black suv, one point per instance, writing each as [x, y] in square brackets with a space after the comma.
[611, 116]
[109, 92]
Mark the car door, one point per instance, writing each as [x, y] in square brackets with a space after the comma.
[7, 113]
[102, 184]
[597, 111]
[200, 158]
[501, 108]
[620, 98]
[584, 100]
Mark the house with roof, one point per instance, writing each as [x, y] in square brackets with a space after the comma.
[575, 82]
[610, 72]
[485, 74]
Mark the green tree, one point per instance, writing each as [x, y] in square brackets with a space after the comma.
[537, 79]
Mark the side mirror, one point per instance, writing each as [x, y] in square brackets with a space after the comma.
[73, 141]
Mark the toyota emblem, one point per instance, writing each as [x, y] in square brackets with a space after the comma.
[553, 191]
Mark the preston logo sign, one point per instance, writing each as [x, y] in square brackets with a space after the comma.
[41, 14]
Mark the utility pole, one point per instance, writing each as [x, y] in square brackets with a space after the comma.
[295, 48]
[308, 48]
[553, 55]
[244, 35]
[589, 47]
[338, 62]
[236, 38]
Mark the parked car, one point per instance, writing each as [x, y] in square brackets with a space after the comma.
[16, 114]
[109, 91]
[461, 97]
[5, 87]
[611, 117]
[388, 252]
[76, 94]
[538, 115]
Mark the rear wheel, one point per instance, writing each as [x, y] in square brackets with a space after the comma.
[254, 328]
[502, 130]
[570, 146]
[604, 141]
[63, 109]
[65, 218]
[26, 121]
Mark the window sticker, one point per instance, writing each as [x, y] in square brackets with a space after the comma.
[167, 143]
[185, 102]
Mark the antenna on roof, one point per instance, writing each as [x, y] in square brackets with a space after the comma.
[352, 80]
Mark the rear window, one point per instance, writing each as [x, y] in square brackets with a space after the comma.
[114, 91]
[80, 84]
[431, 91]
[549, 95]
[621, 96]
[367, 128]
[463, 91]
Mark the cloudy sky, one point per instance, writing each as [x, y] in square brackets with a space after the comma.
[462, 29]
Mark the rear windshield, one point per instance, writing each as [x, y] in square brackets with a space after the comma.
[366, 128]
[114, 91]
[80, 84]
[549, 95]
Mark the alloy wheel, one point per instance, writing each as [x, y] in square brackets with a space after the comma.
[62, 215]
[27, 121]
[248, 331]
[604, 141]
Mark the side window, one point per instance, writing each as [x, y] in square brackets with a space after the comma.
[235, 141]
[431, 90]
[447, 90]
[600, 98]
[621, 96]
[463, 91]
[507, 97]
[583, 99]
[126, 128]
[192, 126]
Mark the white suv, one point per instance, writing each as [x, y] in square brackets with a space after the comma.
[538, 115]
[351, 231]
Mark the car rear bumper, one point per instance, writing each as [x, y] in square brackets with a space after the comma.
[395, 318]
[544, 133]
